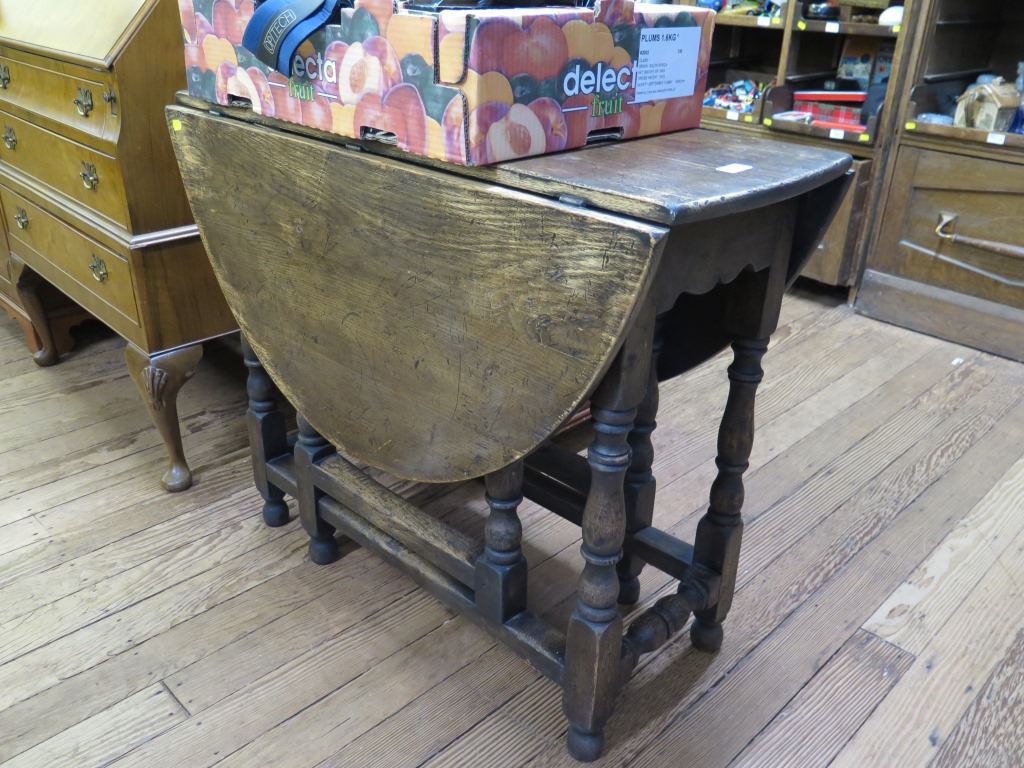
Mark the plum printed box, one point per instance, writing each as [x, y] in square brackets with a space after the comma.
[470, 87]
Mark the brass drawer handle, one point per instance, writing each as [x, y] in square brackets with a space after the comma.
[84, 101]
[21, 218]
[89, 177]
[9, 138]
[99, 268]
[109, 97]
[946, 220]
[5, 76]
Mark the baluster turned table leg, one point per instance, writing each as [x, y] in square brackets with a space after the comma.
[501, 569]
[268, 435]
[309, 449]
[594, 637]
[717, 543]
[640, 483]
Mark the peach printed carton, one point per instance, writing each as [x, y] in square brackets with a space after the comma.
[470, 87]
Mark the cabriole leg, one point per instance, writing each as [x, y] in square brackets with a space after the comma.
[159, 379]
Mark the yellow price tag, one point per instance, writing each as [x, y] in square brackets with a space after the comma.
[896, 29]
[748, 118]
[767, 121]
[801, 25]
[865, 137]
[776, 20]
[911, 126]
[176, 124]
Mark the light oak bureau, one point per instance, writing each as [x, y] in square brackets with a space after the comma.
[92, 201]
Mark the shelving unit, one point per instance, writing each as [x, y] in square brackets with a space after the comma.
[792, 53]
[964, 280]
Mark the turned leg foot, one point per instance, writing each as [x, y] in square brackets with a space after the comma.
[706, 637]
[28, 284]
[585, 746]
[159, 379]
[310, 448]
[268, 435]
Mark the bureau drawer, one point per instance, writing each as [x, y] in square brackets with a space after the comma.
[980, 250]
[90, 177]
[94, 276]
[45, 87]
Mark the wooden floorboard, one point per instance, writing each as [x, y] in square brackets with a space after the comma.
[878, 618]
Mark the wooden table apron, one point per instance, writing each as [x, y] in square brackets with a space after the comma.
[441, 323]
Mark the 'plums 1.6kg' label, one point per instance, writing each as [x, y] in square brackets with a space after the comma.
[667, 65]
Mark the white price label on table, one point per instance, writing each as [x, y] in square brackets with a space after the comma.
[764, 21]
[734, 168]
[832, 27]
[996, 138]
[730, 115]
[836, 133]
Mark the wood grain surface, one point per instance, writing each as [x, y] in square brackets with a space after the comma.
[411, 325]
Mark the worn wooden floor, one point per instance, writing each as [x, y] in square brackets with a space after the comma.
[879, 618]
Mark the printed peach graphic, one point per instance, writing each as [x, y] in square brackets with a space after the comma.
[490, 86]
[286, 107]
[382, 50]
[579, 122]
[316, 113]
[204, 28]
[381, 10]
[343, 119]
[410, 34]
[518, 134]
[225, 71]
[604, 43]
[335, 52]
[361, 72]
[681, 113]
[228, 22]
[369, 114]
[194, 56]
[487, 47]
[579, 38]
[450, 52]
[264, 101]
[435, 140]
[405, 117]
[620, 58]
[453, 131]
[628, 120]
[612, 12]
[188, 20]
[216, 50]
[480, 121]
[549, 112]
[650, 118]
[539, 50]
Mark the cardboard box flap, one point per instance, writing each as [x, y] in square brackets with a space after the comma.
[92, 33]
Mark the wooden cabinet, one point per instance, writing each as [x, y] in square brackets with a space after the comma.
[91, 199]
[792, 53]
[949, 256]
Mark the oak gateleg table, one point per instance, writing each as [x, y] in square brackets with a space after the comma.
[441, 323]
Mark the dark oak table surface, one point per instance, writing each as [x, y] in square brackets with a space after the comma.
[441, 323]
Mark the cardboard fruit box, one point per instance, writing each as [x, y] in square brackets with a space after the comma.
[467, 86]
